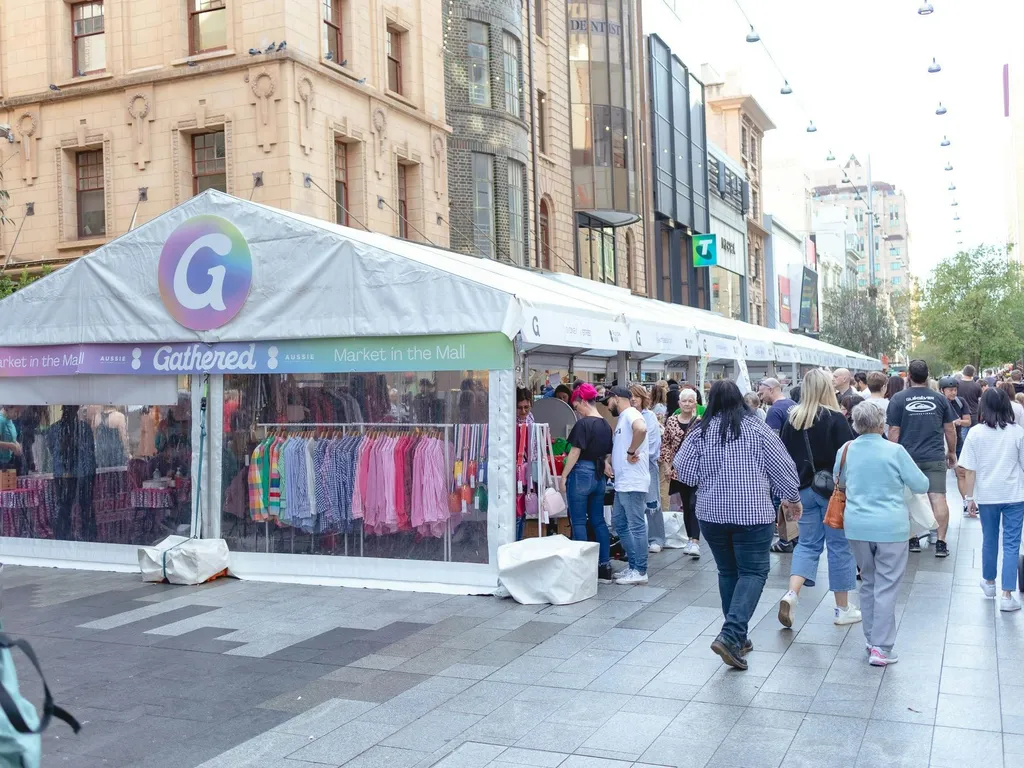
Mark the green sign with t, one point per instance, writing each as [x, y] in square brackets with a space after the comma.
[705, 250]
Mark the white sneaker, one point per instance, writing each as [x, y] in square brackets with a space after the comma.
[988, 589]
[880, 658]
[654, 549]
[933, 536]
[633, 577]
[787, 607]
[692, 549]
[1008, 604]
[620, 575]
[847, 615]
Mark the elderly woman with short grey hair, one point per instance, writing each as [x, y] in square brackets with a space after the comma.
[875, 472]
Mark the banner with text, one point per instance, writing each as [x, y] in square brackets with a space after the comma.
[372, 354]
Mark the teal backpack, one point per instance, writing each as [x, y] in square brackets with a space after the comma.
[20, 724]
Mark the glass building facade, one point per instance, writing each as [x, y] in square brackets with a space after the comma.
[602, 53]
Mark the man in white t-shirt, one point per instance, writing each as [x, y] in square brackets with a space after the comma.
[630, 467]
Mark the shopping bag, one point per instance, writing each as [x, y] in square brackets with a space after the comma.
[675, 531]
[789, 530]
[922, 519]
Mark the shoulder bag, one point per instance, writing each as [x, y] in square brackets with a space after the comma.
[822, 483]
[837, 501]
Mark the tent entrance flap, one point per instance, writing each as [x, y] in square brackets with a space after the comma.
[93, 389]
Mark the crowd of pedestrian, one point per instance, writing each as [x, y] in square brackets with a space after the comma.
[760, 472]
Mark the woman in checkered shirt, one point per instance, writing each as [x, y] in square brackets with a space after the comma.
[737, 463]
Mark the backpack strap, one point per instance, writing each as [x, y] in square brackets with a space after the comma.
[50, 710]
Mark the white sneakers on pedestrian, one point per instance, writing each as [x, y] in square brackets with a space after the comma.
[654, 548]
[847, 615]
[691, 548]
[1008, 604]
[988, 589]
[630, 576]
[787, 608]
[880, 658]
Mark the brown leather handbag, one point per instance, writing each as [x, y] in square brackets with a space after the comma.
[837, 501]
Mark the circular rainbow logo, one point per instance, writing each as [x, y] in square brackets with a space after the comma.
[205, 272]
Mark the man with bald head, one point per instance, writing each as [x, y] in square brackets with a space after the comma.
[770, 392]
[841, 379]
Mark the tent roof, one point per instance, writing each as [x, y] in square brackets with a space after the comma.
[315, 279]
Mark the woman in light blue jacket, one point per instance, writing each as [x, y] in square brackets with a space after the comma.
[877, 523]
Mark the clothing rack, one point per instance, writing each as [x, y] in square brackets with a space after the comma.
[269, 427]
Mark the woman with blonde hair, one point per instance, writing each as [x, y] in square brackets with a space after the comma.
[814, 433]
[640, 399]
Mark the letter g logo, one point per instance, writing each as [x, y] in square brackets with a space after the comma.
[205, 272]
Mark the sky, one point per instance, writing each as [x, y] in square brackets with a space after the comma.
[859, 71]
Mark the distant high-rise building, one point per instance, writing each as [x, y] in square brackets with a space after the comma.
[847, 187]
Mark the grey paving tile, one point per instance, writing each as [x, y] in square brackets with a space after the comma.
[474, 639]
[649, 619]
[482, 698]
[619, 639]
[342, 744]
[669, 689]
[956, 747]
[498, 652]
[533, 757]
[469, 671]
[841, 699]
[730, 688]
[431, 731]
[585, 761]
[564, 740]
[830, 735]
[590, 626]
[259, 751]
[525, 669]
[628, 733]
[434, 660]
[561, 646]
[324, 718]
[532, 632]
[623, 679]
[383, 757]
[895, 745]
[647, 654]
[471, 755]
[735, 750]
[809, 655]
[782, 701]
[974, 682]
[799, 681]
[643, 704]
[972, 712]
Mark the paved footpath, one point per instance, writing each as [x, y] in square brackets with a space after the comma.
[286, 676]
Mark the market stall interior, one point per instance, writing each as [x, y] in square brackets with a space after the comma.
[359, 392]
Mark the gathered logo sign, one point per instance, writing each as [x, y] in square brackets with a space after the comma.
[205, 273]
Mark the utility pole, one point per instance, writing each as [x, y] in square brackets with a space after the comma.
[872, 288]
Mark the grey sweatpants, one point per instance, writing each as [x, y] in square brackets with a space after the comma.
[882, 565]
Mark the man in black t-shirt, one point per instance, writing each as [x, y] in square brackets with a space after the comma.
[969, 390]
[921, 420]
[961, 423]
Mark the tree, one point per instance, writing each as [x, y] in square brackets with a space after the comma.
[973, 308]
[853, 320]
[9, 285]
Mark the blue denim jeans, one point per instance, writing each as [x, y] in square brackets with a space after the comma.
[1012, 516]
[584, 490]
[814, 535]
[742, 556]
[631, 525]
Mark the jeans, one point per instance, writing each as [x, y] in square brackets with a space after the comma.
[882, 565]
[1012, 516]
[584, 490]
[631, 525]
[655, 520]
[814, 535]
[742, 556]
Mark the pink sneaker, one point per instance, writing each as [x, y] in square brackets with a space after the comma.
[880, 658]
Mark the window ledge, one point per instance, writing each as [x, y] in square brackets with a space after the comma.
[74, 245]
[84, 79]
[207, 56]
[399, 97]
[346, 71]
[546, 158]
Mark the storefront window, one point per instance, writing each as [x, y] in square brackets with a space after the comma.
[726, 296]
[95, 473]
[384, 465]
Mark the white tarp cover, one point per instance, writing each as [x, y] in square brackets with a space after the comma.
[549, 569]
[181, 560]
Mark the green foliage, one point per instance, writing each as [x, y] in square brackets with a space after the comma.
[853, 320]
[9, 285]
[938, 363]
[973, 308]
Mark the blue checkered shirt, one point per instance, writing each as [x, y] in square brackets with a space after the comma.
[736, 481]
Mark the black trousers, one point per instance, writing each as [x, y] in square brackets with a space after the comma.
[70, 490]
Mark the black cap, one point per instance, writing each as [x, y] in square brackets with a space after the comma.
[616, 392]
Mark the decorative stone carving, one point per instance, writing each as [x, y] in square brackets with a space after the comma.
[264, 87]
[439, 162]
[304, 97]
[379, 121]
[140, 115]
[27, 127]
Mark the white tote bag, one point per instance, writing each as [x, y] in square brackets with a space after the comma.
[922, 519]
